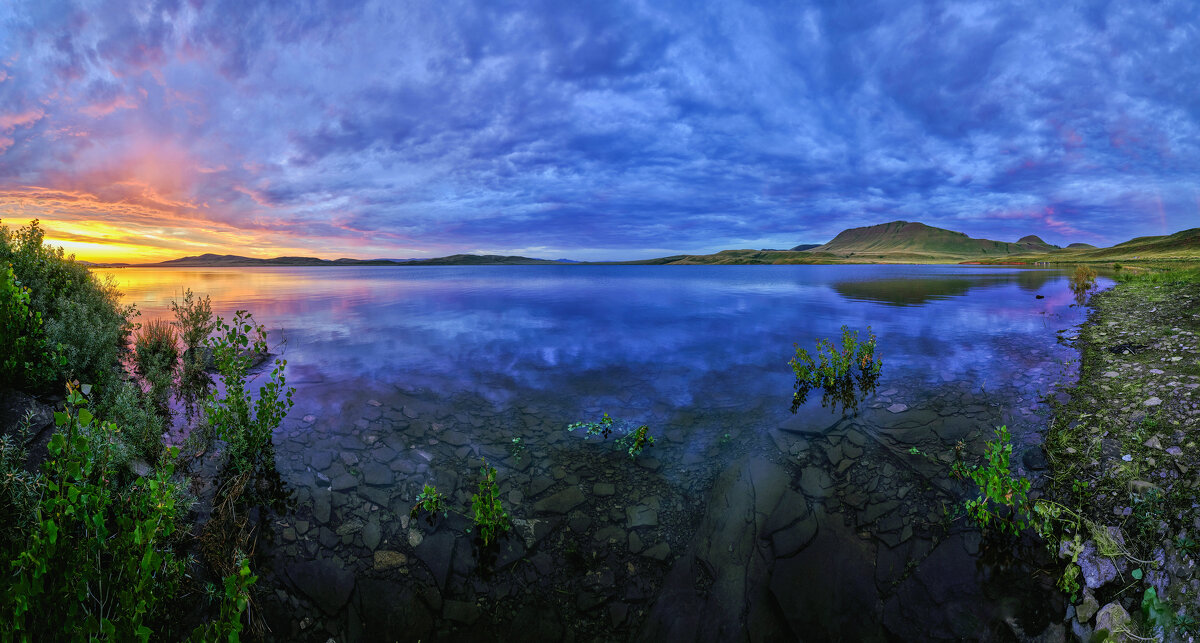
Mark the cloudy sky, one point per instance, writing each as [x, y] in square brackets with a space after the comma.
[590, 130]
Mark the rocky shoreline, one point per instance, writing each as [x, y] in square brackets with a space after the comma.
[1123, 450]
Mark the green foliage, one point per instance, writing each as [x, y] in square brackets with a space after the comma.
[123, 404]
[98, 562]
[1002, 502]
[636, 440]
[81, 317]
[234, 602]
[20, 494]
[489, 515]
[429, 500]
[195, 321]
[601, 427]
[833, 370]
[246, 424]
[633, 440]
[1083, 282]
[1158, 614]
[517, 448]
[1149, 511]
[25, 359]
[156, 353]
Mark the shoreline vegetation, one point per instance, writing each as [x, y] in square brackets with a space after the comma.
[117, 535]
[111, 533]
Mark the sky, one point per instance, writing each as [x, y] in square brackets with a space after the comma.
[142, 131]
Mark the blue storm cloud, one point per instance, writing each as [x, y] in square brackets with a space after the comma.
[614, 129]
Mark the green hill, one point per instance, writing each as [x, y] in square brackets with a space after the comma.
[910, 241]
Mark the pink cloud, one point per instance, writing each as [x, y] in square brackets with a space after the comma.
[21, 119]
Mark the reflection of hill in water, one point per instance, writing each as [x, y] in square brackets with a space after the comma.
[919, 290]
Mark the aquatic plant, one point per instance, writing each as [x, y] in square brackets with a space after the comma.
[195, 321]
[430, 500]
[834, 370]
[1083, 282]
[246, 424]
[487, 512]
[1003, 501]
[489, 515]
[517, 448]
[156, 353]
[633, 439]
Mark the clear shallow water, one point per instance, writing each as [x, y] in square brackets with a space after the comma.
[417, 372]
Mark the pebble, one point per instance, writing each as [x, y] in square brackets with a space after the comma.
[1154, 401]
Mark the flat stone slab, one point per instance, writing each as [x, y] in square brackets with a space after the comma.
[377, 474]
[641, 516]
[898, 408]
[387, 559]
[324, 582]
[561, 502]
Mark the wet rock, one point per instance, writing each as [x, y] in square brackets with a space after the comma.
[388, 607]
[343, 482]
[641, 516]
[1142, 487]
[320, 460]
[386, 559]
[455, 438]
[604, 489]
[371, 534]
[814, 481]
[658, 552]
[635, 543]
[377, 474]
[1087, 607]
[322, 505]
[539, 485]
[437, 552]
[1097, 570]
[898, 408]
[1115, 620]
[325, 582]
[460, 611]
[561, 502]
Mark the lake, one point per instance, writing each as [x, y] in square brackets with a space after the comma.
[743, 518]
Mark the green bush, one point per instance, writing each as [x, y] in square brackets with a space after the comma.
[195, 321]
[20, 493]
[156, 354]
[81, 317]
[833, 370]
[99, 562]
[25, 360]
[244, 423]
[141, 426]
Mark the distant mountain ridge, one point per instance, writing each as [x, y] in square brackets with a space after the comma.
[210, 260]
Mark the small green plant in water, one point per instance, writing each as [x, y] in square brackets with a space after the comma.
[633, 440]
[1002, 502]
[489, 515]
[1083, 282]
[843, 374]
[517, 448]
[430, 500]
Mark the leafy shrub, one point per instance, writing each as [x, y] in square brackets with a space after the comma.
[1083, 282]
[234, 602]
[81, 317]
[489, 515]
[20, 493]
[142, 427]
[246, 424]
[98, 562]
[155, 355]
[833, 370]
[1002, 501]
[195, 321]
[24, 358]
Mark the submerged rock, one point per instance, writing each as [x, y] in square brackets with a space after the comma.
[325, 582]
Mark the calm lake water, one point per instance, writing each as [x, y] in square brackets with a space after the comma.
[408, 375]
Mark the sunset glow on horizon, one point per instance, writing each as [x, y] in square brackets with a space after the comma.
[145, 131]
